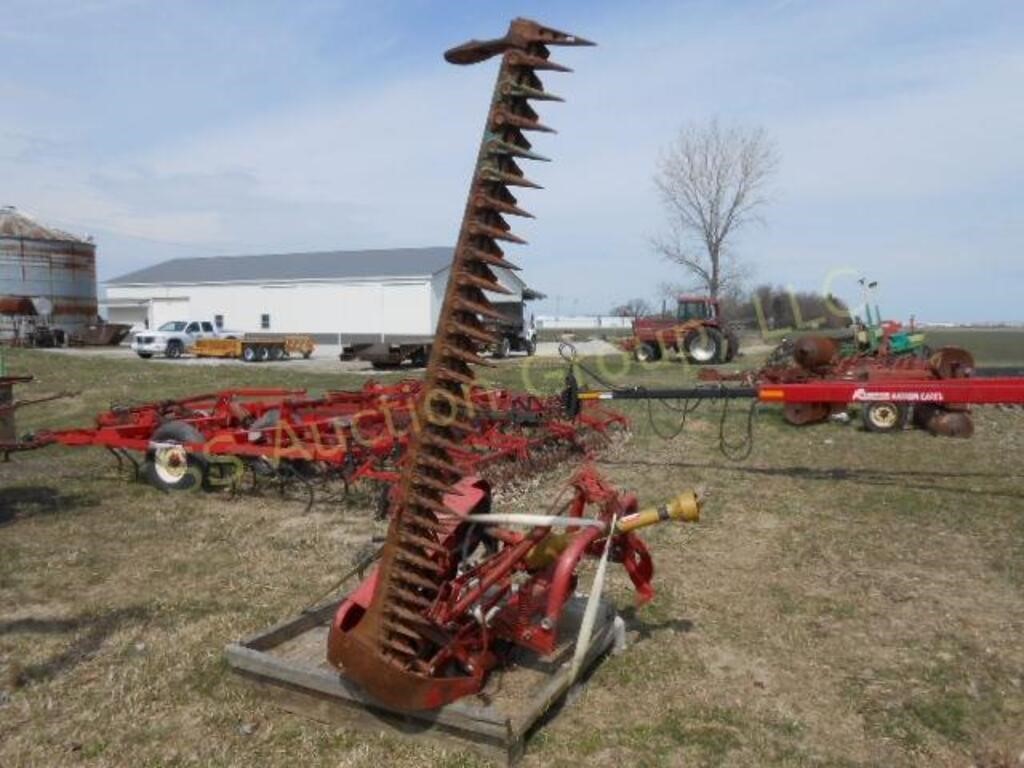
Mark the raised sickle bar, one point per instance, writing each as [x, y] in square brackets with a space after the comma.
[391, 647]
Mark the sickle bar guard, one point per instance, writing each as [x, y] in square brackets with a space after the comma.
[392, 648]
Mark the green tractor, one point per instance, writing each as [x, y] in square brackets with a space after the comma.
[874, 336]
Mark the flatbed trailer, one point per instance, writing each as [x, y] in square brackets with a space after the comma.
[255, 349]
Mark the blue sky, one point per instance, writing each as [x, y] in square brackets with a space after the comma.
[169, 129]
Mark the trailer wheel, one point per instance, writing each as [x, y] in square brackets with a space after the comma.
[249, 353]
[703, 345]
[261, 353]
[306, 354]
[169, 466]
[647, 353]
[883, 416]
[502, 348]
[276, 353]
[174, 349]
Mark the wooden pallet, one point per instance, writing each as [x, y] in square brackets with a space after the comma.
[287, 663]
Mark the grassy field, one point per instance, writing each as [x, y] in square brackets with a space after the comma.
[848, 599]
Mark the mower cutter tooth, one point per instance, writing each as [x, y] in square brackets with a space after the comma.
[465, 304]
[484, 283]
[524, 59]
[422, 542]
[426, 481]
[477, 333]
[413, 578]
[406, 556]
[435, 462]
[466, 356]
[398, 628]
[397, 645]
[498, 147]
[480, 229]
[504, 177]
[502, 116]
[521, 91]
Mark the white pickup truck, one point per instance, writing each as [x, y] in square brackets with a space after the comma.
[175, 338]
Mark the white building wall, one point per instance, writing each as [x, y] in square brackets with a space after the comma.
[399, 306]
[353, 307]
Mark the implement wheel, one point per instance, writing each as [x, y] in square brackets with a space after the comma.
[801, 414]
[647, 353]
[169, 466]
[883, 416]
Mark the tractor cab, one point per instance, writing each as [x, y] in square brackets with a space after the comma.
[696, 308]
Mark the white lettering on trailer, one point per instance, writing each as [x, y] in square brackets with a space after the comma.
[861, 395]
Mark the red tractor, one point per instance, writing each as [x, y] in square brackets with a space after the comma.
[697, 331]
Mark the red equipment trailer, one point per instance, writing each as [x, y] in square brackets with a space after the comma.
[939, 404]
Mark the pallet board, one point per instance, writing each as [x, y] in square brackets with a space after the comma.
[288, 664]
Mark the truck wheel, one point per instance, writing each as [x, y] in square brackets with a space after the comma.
[883, 416]
[145, 355]
[262, 353]
[419, 358]
[530, 347]
[647, 353]
[174, 349]
[169, 466]
[249, 354]
[503, 347]
[702, 345]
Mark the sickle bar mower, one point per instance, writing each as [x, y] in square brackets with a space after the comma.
[450, 591]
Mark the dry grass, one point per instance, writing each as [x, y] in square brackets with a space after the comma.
[848, 600]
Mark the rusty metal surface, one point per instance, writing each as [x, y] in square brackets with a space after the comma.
[391, 650]
[38, 262]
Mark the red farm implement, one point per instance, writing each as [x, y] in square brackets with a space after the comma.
[815, 359]
[217, 439]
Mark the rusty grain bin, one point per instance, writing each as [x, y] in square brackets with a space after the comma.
[46, 276]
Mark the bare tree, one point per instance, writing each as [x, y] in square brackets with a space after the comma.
[712, 181]
[632, 308]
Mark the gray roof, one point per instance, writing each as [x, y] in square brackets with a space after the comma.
[319, 265]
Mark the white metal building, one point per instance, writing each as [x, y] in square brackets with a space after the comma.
[328, 294]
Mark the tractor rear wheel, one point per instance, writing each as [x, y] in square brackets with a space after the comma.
[883, 416]
[732, 346]
[703, 345]
[647, 353]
